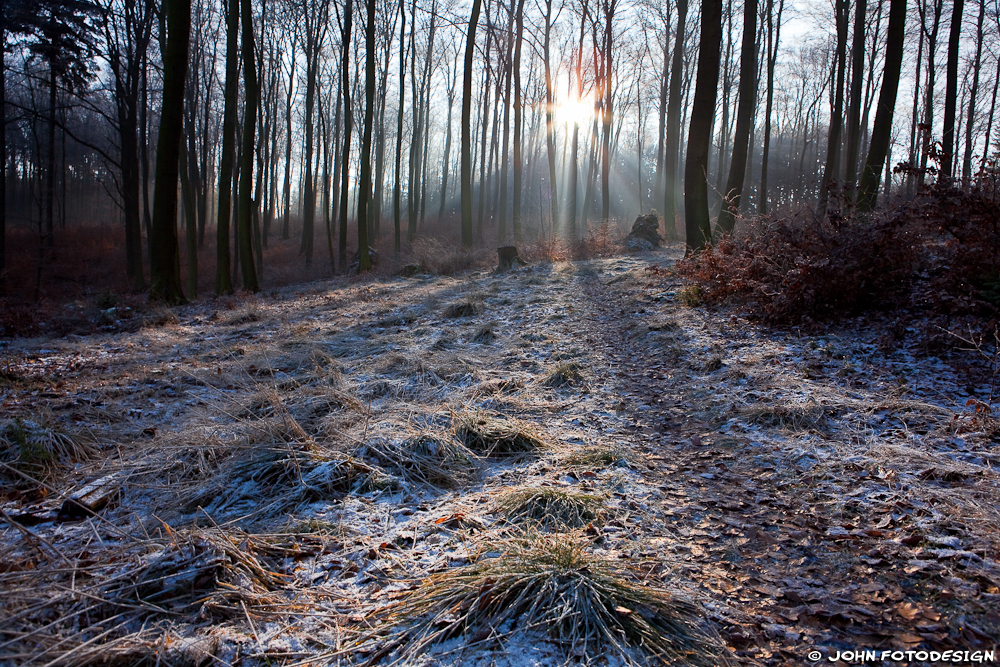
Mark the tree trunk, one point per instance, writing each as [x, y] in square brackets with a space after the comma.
[470, 50]
[973, 94]
[772, 59]
[550, 142]
[607, 116]
[929, 90]
[698, 225]
[832, 167]
[223, 266]
[745, 114]
[447, 144]
[165, 261]
[285, 231]
[3, 158]
[672, 148]
[518, 113]
[49, 190]
[188, 163]
[246, 203]
[882, 128]
[951, 91]
[364, 259]
[854, 110]
[345, 159]
[397, 186]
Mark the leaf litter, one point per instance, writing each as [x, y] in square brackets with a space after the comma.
[317, 475]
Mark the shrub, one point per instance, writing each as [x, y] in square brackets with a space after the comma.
[938, 253]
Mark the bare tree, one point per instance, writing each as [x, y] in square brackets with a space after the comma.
[699, 228]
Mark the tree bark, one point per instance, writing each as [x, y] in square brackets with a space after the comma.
[973, 94]
[672, 148]
[165, 261]
[882, 128]
[470, 50]
[518, 120]
[745, 114]
[345, 159]
[699, 228]
[397, 186]
[364, 259]
[951, 91]
[246, 203]
[832, 167]
[854, 110]
[223, 266]
[772, 58]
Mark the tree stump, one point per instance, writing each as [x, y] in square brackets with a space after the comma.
[508, 257]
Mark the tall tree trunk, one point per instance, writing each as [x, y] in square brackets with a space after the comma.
[447, 144]
[518, 113]
[223, 266]
[246, 203]
[973, 94]
[662, 127]
[397, 186]
[285, 231]
[745, 114]
[772, 59]
[951, 91]
[672, 148]
[345, 159]
[882, 128]
[507, 73]
[698, 225]
[315, 31]
[931, 36]
[189, 165]
[574, 169]
[165, 262]
[3, 157]
[608, 116]
[550, 141]
[365, 260]
[470, 51]
[854, 109]
[832, 167]
[49, 191]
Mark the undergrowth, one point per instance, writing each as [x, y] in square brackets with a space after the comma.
[937, 254]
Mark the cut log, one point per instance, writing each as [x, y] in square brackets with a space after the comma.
[92, 498]
[508, 257]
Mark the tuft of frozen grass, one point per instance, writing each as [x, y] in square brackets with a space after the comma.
[551, 508]
[588, 604]
[492, 435]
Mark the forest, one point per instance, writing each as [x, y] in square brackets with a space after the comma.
[507, 334]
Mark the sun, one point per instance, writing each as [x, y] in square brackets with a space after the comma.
[578, 111]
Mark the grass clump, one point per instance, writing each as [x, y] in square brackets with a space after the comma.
[565, 374]
[466, 308]
[551, 508]
[492, 435]
[429, 459]
[598, 456]
[279, 478]
[38, 449]
[589, 605]
[484, 335]
[793, 417]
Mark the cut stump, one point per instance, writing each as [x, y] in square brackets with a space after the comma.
[508, 257]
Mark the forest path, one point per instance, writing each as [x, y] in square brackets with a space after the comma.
[813, 491]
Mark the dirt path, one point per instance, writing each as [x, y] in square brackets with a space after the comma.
[283, 466]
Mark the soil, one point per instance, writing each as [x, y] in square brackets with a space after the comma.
[812, 491]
